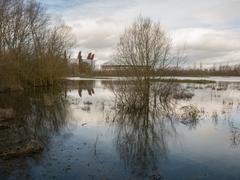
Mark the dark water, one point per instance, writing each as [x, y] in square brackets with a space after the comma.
[114, 130]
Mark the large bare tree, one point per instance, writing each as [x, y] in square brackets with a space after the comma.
[144, 46]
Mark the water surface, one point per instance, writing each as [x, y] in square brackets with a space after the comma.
[88, 132]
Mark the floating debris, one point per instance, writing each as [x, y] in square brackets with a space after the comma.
[87, 103]
[190, 116]
[183, 94]
[84, 124]
[86, 108]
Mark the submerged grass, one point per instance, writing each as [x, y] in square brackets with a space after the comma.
[94, 77]
[198, 81]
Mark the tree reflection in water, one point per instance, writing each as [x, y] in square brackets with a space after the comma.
[86, 85]
[35, 116]
[144, 123]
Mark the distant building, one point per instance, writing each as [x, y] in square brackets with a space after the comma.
[89, 61]
[108, 67]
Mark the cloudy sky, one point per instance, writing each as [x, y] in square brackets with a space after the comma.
[208, 30]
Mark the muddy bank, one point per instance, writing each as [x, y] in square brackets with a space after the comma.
[21, 150]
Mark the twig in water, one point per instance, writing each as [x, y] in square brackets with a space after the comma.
[84, 124]
[95, 146]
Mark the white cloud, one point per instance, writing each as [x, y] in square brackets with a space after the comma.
[209, 46]
[209, 28]
[208, 39]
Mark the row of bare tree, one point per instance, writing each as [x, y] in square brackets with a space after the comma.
[33, 52]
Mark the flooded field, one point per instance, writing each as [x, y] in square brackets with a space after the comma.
[103, 129]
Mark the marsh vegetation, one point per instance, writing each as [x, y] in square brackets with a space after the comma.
[33, 52]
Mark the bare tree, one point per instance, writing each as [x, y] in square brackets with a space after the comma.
[143, 47]
[32, 50]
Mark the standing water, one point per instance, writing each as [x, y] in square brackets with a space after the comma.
[114, 130]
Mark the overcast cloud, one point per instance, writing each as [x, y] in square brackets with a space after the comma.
[208, 29]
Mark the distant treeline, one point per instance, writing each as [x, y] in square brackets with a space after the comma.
[220, 71]
[33, 52]
[225, 70]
